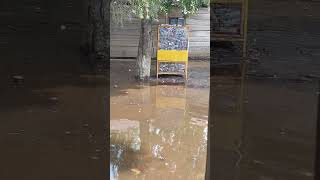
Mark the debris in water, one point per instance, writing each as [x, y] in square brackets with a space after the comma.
[67, 132]
[129, 70]
[18, 79]
[306, 173]
[258, 162]
[266, 178]
[12, 27]
[53, 110]
[94, 157]
[13, 133]
[63, 27]
[136, 171]
[16, 133]
[283, 132]
[98, 150]
[53, 99]
[312, 76]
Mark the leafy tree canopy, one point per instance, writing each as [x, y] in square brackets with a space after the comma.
[151, 9]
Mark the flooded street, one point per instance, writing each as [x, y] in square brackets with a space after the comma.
[263, 128]
[158, 131]
[52, 124]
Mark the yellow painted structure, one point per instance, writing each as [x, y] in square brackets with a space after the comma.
[172, 56]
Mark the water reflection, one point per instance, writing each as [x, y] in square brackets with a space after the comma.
[125, 136]
[159, 132]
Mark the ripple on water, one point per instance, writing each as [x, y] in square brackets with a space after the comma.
[202, 122]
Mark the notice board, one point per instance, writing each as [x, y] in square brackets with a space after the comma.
[173, 43]
[173, 47]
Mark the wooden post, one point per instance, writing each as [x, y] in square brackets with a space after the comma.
[158, 47]
[245, 26]
[317, 149]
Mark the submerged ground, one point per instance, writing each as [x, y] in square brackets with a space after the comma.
[158, 131]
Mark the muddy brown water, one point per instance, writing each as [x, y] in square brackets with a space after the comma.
[158, 131]
[51, 127]
[52, 124]
[263, 129]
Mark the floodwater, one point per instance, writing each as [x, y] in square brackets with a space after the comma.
[264, 124]
[52, 123]
[158, 131]
[263, 128]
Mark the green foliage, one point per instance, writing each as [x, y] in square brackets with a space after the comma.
[189, 7]
[205, 3]
[167, 5]
[150, 9]
[147, 9]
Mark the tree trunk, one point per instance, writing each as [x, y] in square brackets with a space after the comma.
[144, 50]
[97, 44]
